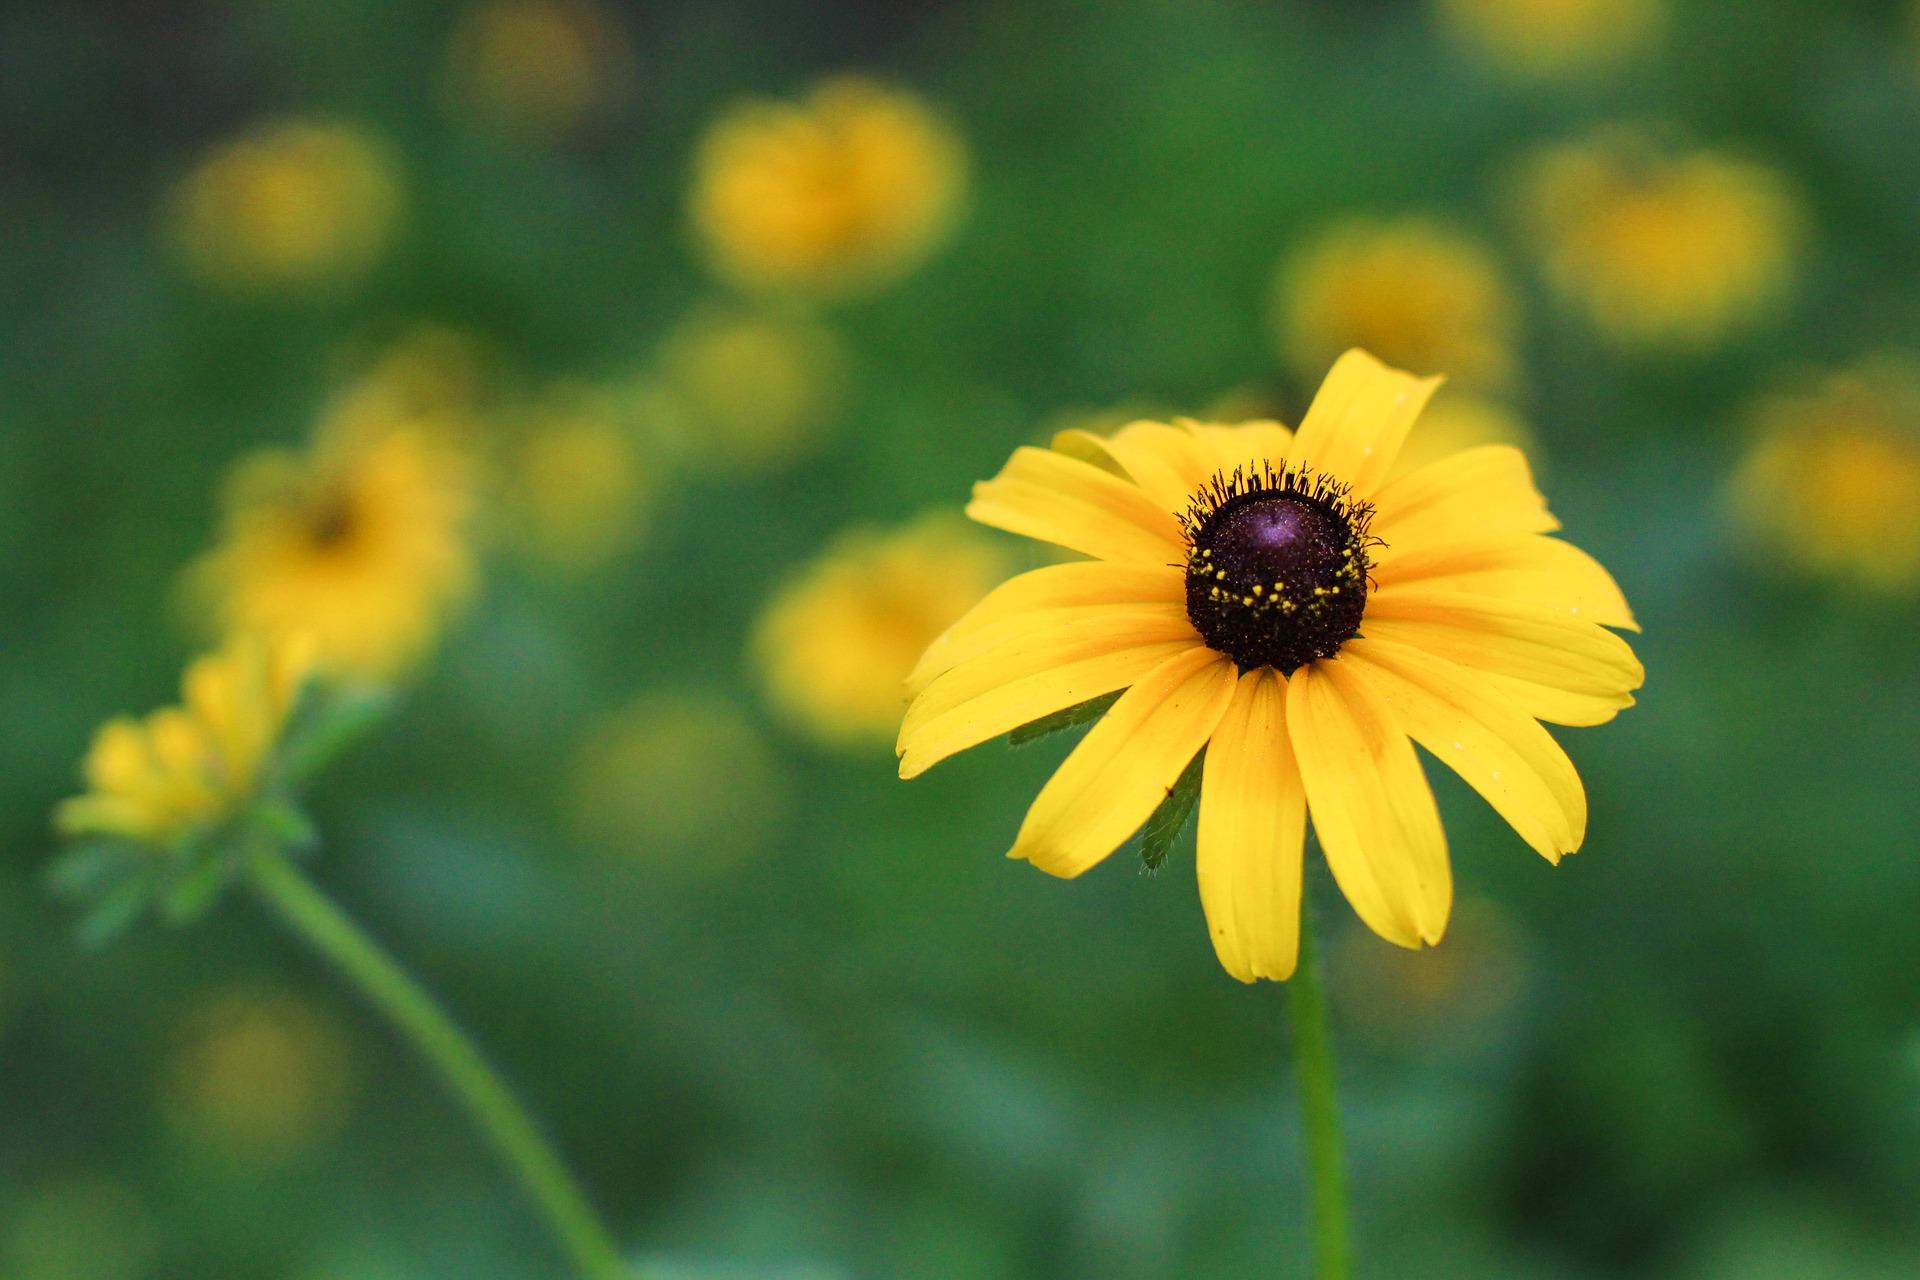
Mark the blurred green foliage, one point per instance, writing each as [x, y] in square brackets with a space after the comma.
[869, 1046]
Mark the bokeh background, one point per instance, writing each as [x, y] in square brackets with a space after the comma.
[634, 815]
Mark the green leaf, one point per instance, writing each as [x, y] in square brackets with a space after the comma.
[84, 869]
[114, 910]
[1085, 713]
[1156, 838]
[325, 726]
[189, 896]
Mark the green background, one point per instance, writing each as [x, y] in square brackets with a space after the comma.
[874, 1047]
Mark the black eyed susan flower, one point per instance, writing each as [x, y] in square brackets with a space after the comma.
[1282, 624]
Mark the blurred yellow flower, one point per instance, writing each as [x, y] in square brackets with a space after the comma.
[536, 69]
[432, 378]
[258, 1076]
[835, 645]
[577, 492]
[290, 203]
[184, 769]
[1422, 295]
[1656, 246]
[1457, 420]
[841, 192]
[681, 782]
[1547, 38]
[76, 1227]
[740, 389]
[360, 544]
[1831, 484]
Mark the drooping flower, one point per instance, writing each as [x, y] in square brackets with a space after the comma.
[186, 769]
[1546, 39]
[535, 69]
[295, 203]
[834, 646]
[1415, 291]
[1655, 246]
[744, 388]
[1831, 483]
[842, 192]
[359, 545]
[1282, 624]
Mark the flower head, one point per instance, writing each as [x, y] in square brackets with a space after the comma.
[578, 492]
[1417, 292]
[536, 69]
[291, 203]
[1657, 246]
[841, 192]
[1272, 600]
[359, 545]
[1551, 38]
[186, 769]
[1831, 484]
[745, 388]
[835, 645]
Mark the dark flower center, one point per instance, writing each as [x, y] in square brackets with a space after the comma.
[1276, 567]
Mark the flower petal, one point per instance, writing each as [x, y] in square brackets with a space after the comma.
[1127, 764]
[1076, 505]
[1078, 584]
[1250, 444]
[1357, 422]
[1475, 493]
[1585, 670]
[1371, 805]
[1019, 682]
[1165, 461]
[1253, 824]
[1523, 569]
[1496, 748]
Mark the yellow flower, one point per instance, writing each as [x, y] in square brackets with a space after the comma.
[1457, 420]
[1831, 484]
[744, 389]
[185, 769]
[679, 782]
[1272, 599]
[578, 491]
[1421, 294]
[834, 646]
[1659, 247]
[360, 545]
[842, 192]
[433, 379]
[536, 69]
[260, 1076]
[1549, 38]
[291, 203]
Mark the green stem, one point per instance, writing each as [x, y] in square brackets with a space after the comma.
[1320, 1112]
[328, 930]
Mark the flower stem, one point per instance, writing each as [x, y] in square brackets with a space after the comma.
[1319, 1112]
[329, 931]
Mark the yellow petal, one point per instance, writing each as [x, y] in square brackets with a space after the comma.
[1524, 569]
[1164, 461]
[1249, 445]
[1076, 505]
[1057, 586]
[1019, 683]
[1371, 806]
[1475, 493]
[1127, 764]
[1357, 422]
[1253, 822]
[1532, 647]
[1498, 749]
